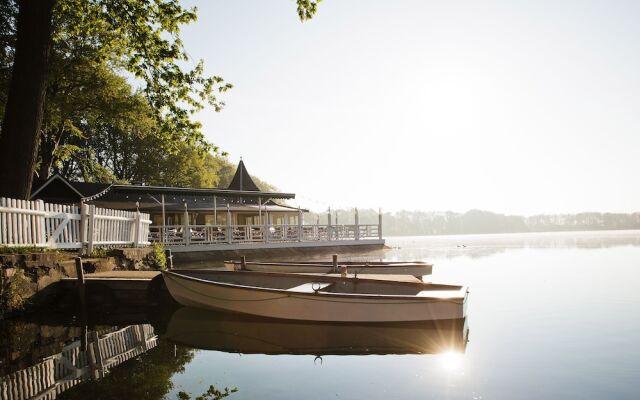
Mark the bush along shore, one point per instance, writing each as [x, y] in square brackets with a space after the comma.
[26, 274]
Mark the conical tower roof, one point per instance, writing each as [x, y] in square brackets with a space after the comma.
[242, 180]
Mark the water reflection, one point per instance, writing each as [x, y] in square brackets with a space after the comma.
[89, 357]
[235, 333]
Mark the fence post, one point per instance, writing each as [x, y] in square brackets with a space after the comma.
[91, 229]
[335, 264]
[83, 227]
[357, 233]
[380, 223]
[42, 223]
[136, 230]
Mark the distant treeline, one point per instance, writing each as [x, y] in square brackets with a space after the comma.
[477, 221]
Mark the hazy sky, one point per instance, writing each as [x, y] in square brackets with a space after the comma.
[510, 106]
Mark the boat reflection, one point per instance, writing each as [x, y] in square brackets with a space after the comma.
[236, 333]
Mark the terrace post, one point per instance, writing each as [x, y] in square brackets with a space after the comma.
[163, 232]
[380, 223]
[299, 224]
[357, 233]
[215, 211]
[266, 226]
[186, 229]
[229, 229]
[329, 235]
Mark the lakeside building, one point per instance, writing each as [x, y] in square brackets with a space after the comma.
[239, 214]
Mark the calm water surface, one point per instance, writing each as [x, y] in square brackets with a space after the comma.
[549, 316]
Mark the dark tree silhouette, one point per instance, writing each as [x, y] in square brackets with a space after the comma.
[25, 102]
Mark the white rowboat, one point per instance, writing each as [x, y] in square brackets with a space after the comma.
[415, 268]
[316, 297]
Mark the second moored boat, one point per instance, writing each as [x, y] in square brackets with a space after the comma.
[414, 268]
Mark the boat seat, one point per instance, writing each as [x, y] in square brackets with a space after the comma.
[310, 287]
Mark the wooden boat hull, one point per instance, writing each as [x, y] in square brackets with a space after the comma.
[237, 333]
[414, 269]
[314, 306]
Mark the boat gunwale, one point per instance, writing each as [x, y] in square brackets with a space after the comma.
[463, 290]
[329, 265]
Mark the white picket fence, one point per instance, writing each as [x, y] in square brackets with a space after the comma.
[57, 226]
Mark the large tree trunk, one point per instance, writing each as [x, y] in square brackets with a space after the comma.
[24, 108]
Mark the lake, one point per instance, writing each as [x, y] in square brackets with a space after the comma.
[550, 315]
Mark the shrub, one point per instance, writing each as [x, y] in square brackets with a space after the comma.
[157, 259]
[14, 291]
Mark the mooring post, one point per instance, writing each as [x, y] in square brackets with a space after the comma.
[81, 291]
[80, 272]
[335, 263]
[243, 263]
[169, 257]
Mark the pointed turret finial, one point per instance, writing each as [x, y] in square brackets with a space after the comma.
[242, 180]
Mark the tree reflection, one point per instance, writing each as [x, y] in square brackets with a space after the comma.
[146, 377]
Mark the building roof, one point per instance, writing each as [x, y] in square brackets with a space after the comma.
[56, 189]
[242, 180]
[242, 190]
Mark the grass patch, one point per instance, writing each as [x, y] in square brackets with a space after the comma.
[23, 249]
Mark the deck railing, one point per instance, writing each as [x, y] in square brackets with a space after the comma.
[232, 234]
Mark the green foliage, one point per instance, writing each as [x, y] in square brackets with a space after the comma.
[14, 291]
[307, 9]
[96, 127]
[157, 259]
[143, 38]
[211, 394]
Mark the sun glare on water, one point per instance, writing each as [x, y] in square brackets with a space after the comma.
[451, 360]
